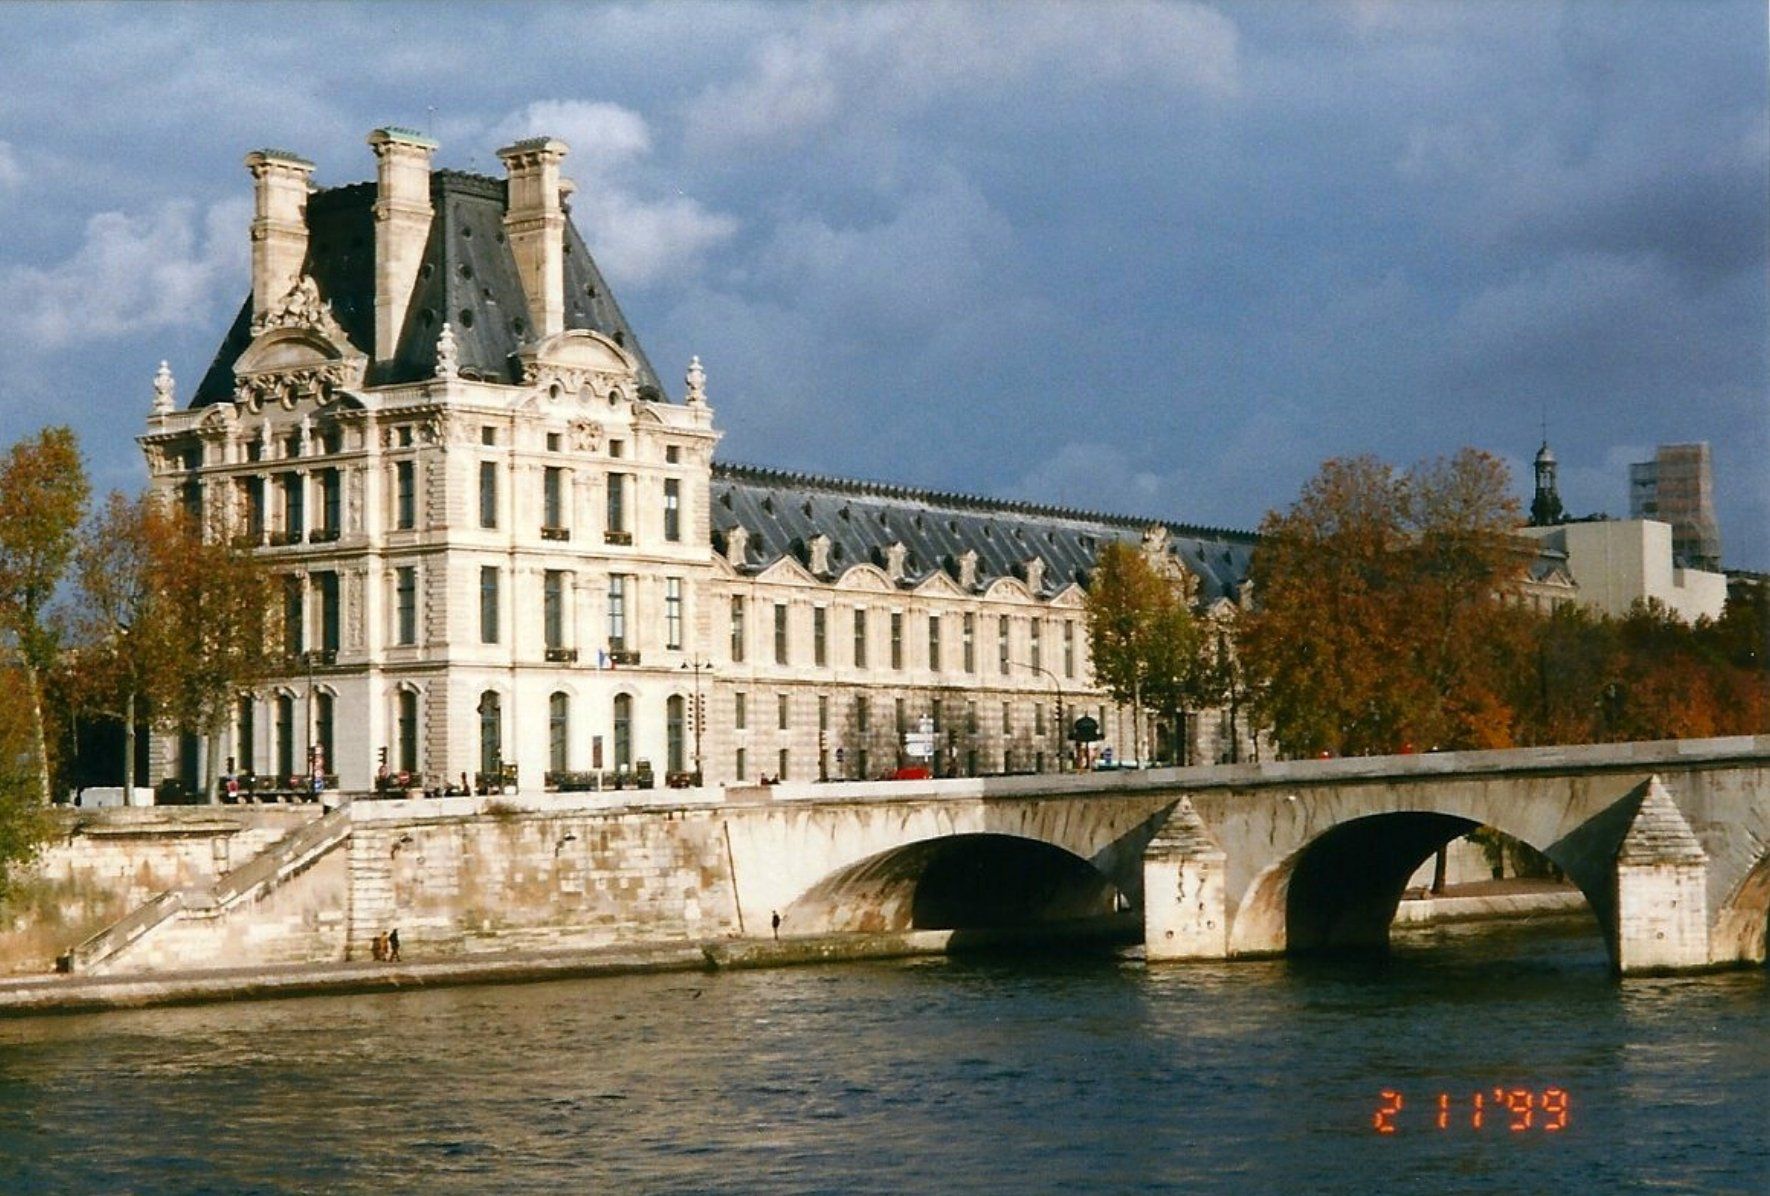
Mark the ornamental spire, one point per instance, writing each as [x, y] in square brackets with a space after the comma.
[697, 381]
[164, 389]
[447, 366]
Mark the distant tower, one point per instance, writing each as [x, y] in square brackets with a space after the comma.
[1677, 487]
[1545, 506]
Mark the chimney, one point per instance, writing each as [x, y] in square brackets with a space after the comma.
[279, 224]
[402, 226]
[534, 218]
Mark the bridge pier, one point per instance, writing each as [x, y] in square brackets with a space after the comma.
[1185, 891]
[1662, 911]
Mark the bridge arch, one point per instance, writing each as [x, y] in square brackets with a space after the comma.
[1742, 929]
[972, 881]
[1340, 889]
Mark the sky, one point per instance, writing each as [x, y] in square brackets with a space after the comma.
[1146, 258]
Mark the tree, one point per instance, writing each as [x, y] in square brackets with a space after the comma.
[43, 493]
[1143, 639]
[24, 823]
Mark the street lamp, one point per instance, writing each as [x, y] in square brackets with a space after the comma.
[696, 665]
[1058, 689]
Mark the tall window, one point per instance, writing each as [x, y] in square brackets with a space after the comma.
[552, 498]
[780, 633]
[900, 716]
[672, 509]
[405, 501]
[327, 762]
[820, 636]
[488, 494]
[1007, 718]
[1038, 718]
[491, 732]
[1002, 643]
[623, 732]
[742, 763]
[860, 637]
[617, 504]
[328, 584]
[405, 602]
[897, 639]
[331, 503]
[673, 613]
[781, 706]
[408, 731]
[617, 612]
[673, 733]
[294, 616]
[488, 604]
[934, 643]
[740, 711]
[255, 509]
[780, 767]
[553, 608]
[1035, 645]
[294, 506]
[969, 640]
[1069, 649]
[558, 730]
[244, 735]
[285, 736]
[737, 628]
[863, 712]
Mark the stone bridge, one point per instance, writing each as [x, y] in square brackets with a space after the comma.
[1669, 842]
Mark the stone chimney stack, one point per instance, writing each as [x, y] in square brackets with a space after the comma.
[402, 226]
[279, 224]
[534, 218]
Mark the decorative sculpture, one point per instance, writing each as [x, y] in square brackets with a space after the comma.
[447, 365]
[697, 381]
[164, 388]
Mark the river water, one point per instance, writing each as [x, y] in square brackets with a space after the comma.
[982, 1074]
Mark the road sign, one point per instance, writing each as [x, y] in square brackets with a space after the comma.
[919, 744]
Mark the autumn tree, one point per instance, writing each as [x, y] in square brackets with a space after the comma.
[1141, 634]
[24, 823]
[1379, 623]
[43, 493]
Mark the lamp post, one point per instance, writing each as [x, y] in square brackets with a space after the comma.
[1057, 688]
[695, 664]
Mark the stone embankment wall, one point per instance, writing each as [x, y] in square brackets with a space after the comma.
[101, 864]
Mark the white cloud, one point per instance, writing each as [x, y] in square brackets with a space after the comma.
[601, 135]
[131, 274]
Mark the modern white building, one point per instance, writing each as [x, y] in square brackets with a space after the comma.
[1619, 562]
[504, 543]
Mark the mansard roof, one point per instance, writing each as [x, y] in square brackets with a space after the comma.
[783, 511]
[468, 277]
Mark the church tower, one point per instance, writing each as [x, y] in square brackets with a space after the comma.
[1545, 505]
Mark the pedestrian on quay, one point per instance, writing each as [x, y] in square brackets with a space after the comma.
[777, 926]
[393, 945]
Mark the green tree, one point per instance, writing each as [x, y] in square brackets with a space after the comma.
[43, 493]
[24, 823]
[1141, 634]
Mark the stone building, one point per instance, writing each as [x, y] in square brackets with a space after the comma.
[504, 543]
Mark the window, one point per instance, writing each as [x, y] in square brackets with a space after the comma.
[780, 771]
[553, 608]
[553, 442]
[617, 612]
[820, 636]
[552, 499]
[294, 507]
[740, 711]
[488, 604]
[970, 643]
[1039, 718]
[324, 761]
[743, 763]
[737, 629]
[285, 736]
[405, 482]
[405, 603]
[860, 637]
[488, 494]
[488, 435]
[623, 732]
[672, 509]
[328, 584]
[863, 713]
[823, 712]
[491, 732]
[408, 731]
[558, 711]
[934, 714]
[331, 503]
[781, 708]
[1002, 643]
[934, 643]
[780, 633]
[617, 504]
[673, 733]
[1034, 644]
[673, 613]
[617, 448]
[862, 764]
[672, 454]
[823, 738]
[255, 509]
[294, 616]
[1007, 718]
[897, 639]
[245, 733]
[1069, 649]
[900, 717]
[971, 717]
[403, 436]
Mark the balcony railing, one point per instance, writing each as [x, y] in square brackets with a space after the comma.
[562, 656]
[614, 537]
[623, 656]
[556, 533]
[322, 535]
[283, 539]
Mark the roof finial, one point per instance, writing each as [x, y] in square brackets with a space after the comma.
[164, 388]
[446, 364]
[697, 381]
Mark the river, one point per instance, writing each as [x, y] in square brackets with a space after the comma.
[939, 1074]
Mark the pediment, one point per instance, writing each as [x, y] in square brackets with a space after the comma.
[578, 360]
[1008, 587]
[291, 361]
[939, 584]
[788, 570]
[869, 578]
[1071, 596]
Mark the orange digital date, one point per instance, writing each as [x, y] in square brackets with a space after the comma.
[1518, 1110]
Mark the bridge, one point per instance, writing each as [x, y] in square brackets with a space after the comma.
[1669, 842]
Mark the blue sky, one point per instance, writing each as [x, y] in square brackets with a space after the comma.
[1152, 258]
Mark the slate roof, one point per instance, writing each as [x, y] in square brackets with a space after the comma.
[467, 277]
[782, 511]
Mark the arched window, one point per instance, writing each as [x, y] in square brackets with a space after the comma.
[408, 731]
[285, 737]
[673, 728]
[623, 732]
[324, 761]
[558, 721]
[491, 732]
